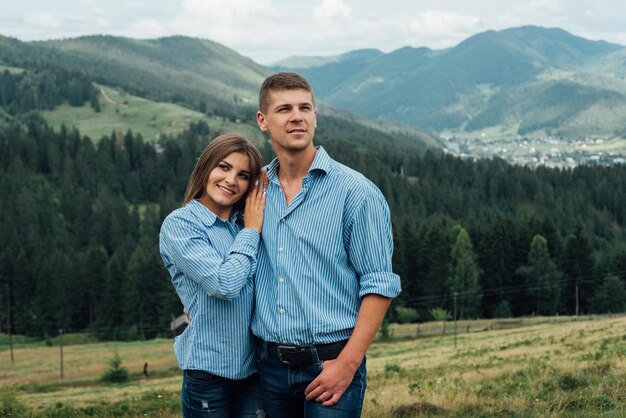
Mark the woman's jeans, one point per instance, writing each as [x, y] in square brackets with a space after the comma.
[206, 395]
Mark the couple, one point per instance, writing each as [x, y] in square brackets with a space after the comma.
[299, 293]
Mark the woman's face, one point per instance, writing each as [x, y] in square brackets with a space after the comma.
[227, 184]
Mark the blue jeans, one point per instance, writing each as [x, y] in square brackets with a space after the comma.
[283, 390]
[206, 395]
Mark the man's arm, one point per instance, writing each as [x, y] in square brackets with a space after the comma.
[337, 374]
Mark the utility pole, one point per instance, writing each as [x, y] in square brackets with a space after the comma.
[455, 320]
[61, 349]
[576, 301]
[9, 323]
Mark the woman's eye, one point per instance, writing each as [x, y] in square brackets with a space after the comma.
[224, 167]
[244, 176]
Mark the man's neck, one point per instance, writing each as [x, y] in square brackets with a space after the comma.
[293, 167]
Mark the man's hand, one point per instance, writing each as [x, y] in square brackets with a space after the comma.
[331, 383]
[336, 375]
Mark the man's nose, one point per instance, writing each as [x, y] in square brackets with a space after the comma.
[296, 115]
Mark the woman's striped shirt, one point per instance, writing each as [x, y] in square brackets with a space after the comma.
[212, 262]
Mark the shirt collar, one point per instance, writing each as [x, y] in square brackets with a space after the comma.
[321, 162]
[206, 216]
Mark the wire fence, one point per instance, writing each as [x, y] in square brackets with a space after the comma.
[442, 328]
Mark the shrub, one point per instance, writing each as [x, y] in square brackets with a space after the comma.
[440, 314]
[10, 406]
[116, 373]
[406, 315]
[503, 310]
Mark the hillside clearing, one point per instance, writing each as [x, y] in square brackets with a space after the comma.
[567, 368]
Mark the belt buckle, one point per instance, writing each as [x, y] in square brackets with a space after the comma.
[286, 349]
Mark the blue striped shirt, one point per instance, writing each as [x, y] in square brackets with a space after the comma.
[321, 254]
[212, 263]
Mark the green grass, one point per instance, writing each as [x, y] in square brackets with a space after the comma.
[121, 112]
[556, 368]
[12, 70]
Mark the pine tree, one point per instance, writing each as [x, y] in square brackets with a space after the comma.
[463, 280]
[578, 267]
[542, 278]
[610, 297]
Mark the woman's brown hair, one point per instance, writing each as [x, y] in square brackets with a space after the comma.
[216, 151]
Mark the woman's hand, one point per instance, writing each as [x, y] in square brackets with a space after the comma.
[255, 204]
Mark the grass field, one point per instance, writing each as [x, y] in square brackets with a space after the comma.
[538, 368]
[120, 112]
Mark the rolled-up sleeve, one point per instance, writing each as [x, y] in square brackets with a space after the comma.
[188, 248]
[371, 247]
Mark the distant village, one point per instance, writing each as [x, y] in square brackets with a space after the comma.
[549, 151]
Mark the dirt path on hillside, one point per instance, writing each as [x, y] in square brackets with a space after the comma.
[108, 99]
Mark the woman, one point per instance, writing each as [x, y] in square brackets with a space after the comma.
[212, 260]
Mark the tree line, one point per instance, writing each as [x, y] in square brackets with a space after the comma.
[80, 222]
[44, 88]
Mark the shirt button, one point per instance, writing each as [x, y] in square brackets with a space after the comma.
[281, 280]
[282, 311]
[284, 341]
[280, 249]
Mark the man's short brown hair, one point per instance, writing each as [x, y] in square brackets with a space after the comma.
[282, 81]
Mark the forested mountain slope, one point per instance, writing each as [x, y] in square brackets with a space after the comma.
[528, 80]
[80, 220]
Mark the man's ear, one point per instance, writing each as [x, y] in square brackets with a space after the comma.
[260, 120]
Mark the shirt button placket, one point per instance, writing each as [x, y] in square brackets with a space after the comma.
[280, 269]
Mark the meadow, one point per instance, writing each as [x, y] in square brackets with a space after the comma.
[517, 368]
[121, 111]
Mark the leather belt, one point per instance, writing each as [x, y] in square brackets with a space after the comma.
[299, 355]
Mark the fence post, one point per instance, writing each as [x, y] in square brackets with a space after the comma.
[61, 349]
[454, 319]
[9, 331]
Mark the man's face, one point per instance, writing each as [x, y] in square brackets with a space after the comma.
[290, 120]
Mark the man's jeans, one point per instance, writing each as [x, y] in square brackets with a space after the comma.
[207, 395]
[283, 390]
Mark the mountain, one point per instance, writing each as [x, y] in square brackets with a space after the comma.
[529, 80]
[164, 68]
[200, 75]
[298, 61]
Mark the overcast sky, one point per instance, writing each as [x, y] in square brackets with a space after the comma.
[269, 30]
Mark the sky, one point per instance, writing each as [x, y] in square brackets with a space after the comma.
[269, 30]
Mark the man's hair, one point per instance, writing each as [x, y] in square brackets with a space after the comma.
[218, 149]
[282, 81]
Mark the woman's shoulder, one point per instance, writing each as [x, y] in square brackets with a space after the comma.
[181, 218]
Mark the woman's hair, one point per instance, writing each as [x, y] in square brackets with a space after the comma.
[216, 151]
[282, 81]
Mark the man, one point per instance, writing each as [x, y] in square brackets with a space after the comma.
[324, 278]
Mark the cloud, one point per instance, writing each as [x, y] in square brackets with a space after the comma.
[435, 23]
[440, 29]
[224, 8]
[332, 8]
[43, 20]
[268, 30]
[146, 28]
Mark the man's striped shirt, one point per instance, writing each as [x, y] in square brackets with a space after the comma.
[321, 254]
